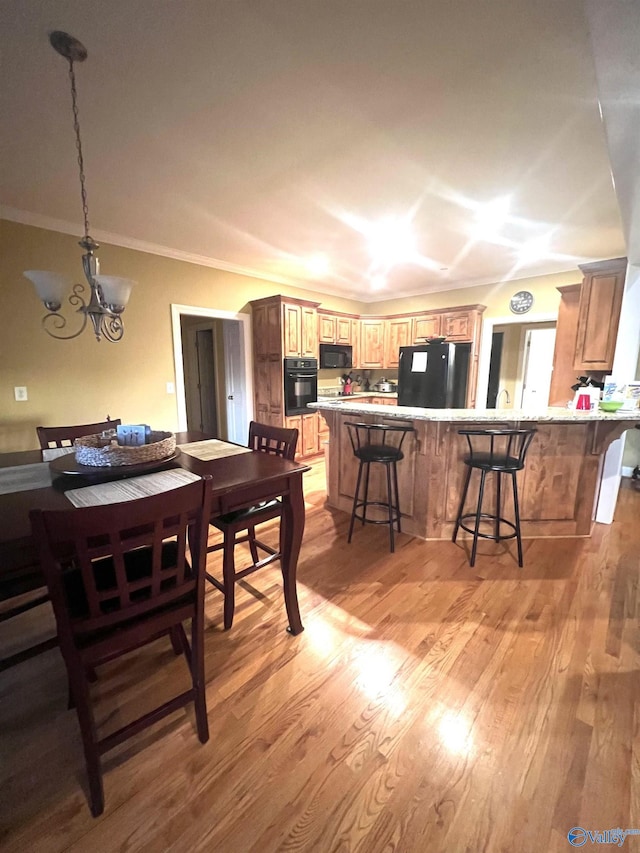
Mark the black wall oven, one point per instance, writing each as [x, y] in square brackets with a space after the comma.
[300, 384]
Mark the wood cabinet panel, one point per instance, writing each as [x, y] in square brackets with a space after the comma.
[599, 314]
[292, 330]
[384, 401]
[309, 335]
[326, 328]
[398, 335]
[344, 330]
[426, 326]
[564, 373]
[458, 325]
[307, 426]
[372, 343]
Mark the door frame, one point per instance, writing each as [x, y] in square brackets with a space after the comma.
[177, 311]
[484, 355]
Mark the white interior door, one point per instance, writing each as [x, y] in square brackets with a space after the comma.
[538, 366]
[234, 368]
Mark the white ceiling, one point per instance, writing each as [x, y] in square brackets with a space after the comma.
[252, 134]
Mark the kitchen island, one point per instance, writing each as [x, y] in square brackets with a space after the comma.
[558, 489]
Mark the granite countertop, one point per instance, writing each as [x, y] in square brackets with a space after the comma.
[361, 407]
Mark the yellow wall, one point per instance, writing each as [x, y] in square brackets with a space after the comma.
[495, 296]
[81, 381]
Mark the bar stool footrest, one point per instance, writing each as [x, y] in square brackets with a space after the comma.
[395, 514]
[485, 516]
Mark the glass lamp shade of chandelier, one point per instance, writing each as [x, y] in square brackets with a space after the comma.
[108, 295]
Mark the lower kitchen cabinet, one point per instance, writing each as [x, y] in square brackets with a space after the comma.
[307, 426]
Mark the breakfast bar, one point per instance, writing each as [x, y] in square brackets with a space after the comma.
[558, 489]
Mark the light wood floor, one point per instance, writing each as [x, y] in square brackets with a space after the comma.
[426, 707]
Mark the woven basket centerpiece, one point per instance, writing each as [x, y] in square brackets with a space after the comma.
[99, 452]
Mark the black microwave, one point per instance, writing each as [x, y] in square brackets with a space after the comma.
[336, 355]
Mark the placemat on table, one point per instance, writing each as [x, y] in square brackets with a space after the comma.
[212, 448]
[24, 478]
[131, 489]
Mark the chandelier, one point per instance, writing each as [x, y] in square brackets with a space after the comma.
[108, 295]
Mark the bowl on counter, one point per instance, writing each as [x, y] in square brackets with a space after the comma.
[610, 405]
[385, 387]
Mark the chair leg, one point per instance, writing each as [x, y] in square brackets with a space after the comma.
[474, 548]
[366, 493]
[355, 503]
[251, 533]
[463, 499]
[176, 640]
[80, 691]
[197, 676]
[517, 517]
[229, 579]
[397, 503]
[498, 502]
[390, 508]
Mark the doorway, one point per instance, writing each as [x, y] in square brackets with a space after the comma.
[213, 359]
[502, 362]
[537, 367]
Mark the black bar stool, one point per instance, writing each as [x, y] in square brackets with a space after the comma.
[502, 451]
[377, 443]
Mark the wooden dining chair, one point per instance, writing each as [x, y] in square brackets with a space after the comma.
[119, 577]
[265, 439]
[63, 435]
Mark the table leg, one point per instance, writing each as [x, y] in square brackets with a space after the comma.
[291, 530]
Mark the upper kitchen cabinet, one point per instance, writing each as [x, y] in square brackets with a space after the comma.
[599, 314]
[335, 328]
[300, 329]
[372, 339]
[398, 335]
[426, 326]
[285, 327]
[459, 325]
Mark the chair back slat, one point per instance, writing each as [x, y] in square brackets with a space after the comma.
[106, 564]
[278, 441]
[63, 436]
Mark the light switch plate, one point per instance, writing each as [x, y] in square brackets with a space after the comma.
[20, 392]
[171, 388]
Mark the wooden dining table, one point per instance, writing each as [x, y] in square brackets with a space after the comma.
[238, 481]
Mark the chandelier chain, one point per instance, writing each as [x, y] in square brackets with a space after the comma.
[76, 127]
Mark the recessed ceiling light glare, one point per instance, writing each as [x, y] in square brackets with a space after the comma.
[317, 264]
[534, 250]
[378, 282]
[491, 217]
[391, 241]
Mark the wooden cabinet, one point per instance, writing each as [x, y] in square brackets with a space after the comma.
[599, 314]
[307, 426]
[372, 351]
[282, 328]
[458, 325]
[426, 326]
[334, 328]
[326, 328]
[300, 331]
[384, 401]
[345, 330]
[563, 375]
[398, 335]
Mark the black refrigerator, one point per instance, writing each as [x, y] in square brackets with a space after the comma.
[434, 376]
